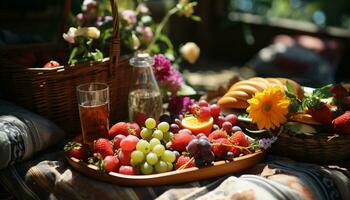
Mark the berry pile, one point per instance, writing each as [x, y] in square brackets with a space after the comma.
[197, 138]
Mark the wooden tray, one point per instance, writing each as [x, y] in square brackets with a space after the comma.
[219, 168]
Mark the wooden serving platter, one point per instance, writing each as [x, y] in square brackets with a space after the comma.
[219, 168]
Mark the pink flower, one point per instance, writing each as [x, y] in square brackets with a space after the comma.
[129, 16]
[81, 19]
[167, 77]
[179, 104]
[173, 82]
[146, 33]
[161, 67]
[103, 19]
[161, 61]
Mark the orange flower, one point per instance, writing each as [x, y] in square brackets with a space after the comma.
[269, 108]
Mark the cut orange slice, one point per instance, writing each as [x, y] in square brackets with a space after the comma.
[197, 126]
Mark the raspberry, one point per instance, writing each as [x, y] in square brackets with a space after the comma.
[182, 160]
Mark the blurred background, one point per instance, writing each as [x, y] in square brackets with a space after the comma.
[305, 40]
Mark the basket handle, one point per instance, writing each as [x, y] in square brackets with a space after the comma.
[115, 41]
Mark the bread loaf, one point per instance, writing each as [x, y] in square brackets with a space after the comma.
[240, 92]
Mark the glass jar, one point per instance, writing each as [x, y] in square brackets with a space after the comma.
[144, 99]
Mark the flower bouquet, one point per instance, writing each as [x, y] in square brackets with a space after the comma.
[138, 32]
[303, 123]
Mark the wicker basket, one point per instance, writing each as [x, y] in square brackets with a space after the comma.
[318, 148]
[52, 92]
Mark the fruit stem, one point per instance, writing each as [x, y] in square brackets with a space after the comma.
[232, 145]
[185, 165]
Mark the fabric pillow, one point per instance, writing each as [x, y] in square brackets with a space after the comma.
[23, 133]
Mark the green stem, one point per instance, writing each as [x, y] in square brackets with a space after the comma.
[161, 26]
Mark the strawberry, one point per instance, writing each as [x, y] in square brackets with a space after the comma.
[321, 114]
[111, 164]
[180, 141]
[194, 109]
[220, 150]
[103, 147]
[51, 64]
[134, 129]
[238, 139]
[76, 150]
[319, 110]
[119, 128]
[341, 124]
[339, 91]
[217, 134]
[182, 160]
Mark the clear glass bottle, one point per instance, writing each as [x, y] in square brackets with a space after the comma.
[145, 99]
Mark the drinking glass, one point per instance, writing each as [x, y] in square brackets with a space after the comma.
[93, 100]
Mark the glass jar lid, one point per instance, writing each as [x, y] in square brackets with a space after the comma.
[141, 60]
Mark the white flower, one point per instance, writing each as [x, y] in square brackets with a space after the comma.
[88, 5]
[89, 32]
[70, 35]
[190, 52]
[143, 9]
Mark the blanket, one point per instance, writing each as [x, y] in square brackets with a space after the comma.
[49, 176]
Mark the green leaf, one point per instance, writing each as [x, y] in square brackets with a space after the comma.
[166, 40]
[154, 49]
[106, 25]
[97, 55]
[298, 128]
[196, 18]
[290, 88]
[244, 115]
[72, 55]
[323, 92]
[186, 90]
[295, 105]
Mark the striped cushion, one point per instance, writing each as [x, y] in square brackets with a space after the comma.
[23, 133]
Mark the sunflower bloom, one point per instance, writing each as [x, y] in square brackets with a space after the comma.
[268, 109]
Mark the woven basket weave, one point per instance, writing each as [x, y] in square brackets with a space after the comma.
[52, 92]
[317, 148]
